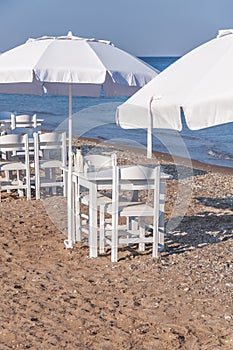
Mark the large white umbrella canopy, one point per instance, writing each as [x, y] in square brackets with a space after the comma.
[72, 66]
[200, 83]
[50, 64]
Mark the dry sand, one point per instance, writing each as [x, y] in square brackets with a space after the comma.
[53, 298]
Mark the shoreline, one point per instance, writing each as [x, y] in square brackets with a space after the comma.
[161, 156]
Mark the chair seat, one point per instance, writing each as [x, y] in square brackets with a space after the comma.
[101, 199]
[132, 208]
[8, 166]
[50, 164]
[14, 184]
[44, 182]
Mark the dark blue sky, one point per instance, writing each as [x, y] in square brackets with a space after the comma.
[141, 27]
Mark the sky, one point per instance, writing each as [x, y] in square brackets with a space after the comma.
[141, 27]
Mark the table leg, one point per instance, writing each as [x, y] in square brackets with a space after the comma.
[161, 214]
[93, 243]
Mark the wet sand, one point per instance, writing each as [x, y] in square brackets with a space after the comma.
[54, 298]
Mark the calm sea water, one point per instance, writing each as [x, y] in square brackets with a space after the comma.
[96, 118]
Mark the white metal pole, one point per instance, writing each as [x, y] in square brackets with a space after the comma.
[69, 242]
[149, 131]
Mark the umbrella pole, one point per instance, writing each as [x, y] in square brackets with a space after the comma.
[149, 131]
[149, 142]
[69, 242]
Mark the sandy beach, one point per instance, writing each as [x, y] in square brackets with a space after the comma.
[54, 298]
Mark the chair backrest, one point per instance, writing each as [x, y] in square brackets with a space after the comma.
[51, 145]
[97, 162]
[14, 143]
[131, 178]
[24, 121]
[137, 172]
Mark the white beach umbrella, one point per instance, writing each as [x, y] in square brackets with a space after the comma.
[200, 83]
[72, 66]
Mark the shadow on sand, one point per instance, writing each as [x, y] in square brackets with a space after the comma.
[208, 227]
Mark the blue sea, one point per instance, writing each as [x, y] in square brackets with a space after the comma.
[95, 118]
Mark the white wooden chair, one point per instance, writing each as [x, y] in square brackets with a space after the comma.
[25, 123]
[50, 156]
[131, 178]
[92, 163]
[15, 171]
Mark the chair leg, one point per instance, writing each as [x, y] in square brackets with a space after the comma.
[133, 226]
[78, 218]
[161, 231]
[37, 185]
[47, 178]
[155, 244]
[64, 176]
[28, 181]
[53, 177]
[20, 183]
[142, 229]
[114, 247]
[102, 230]
[8, 177]
[161, 214]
